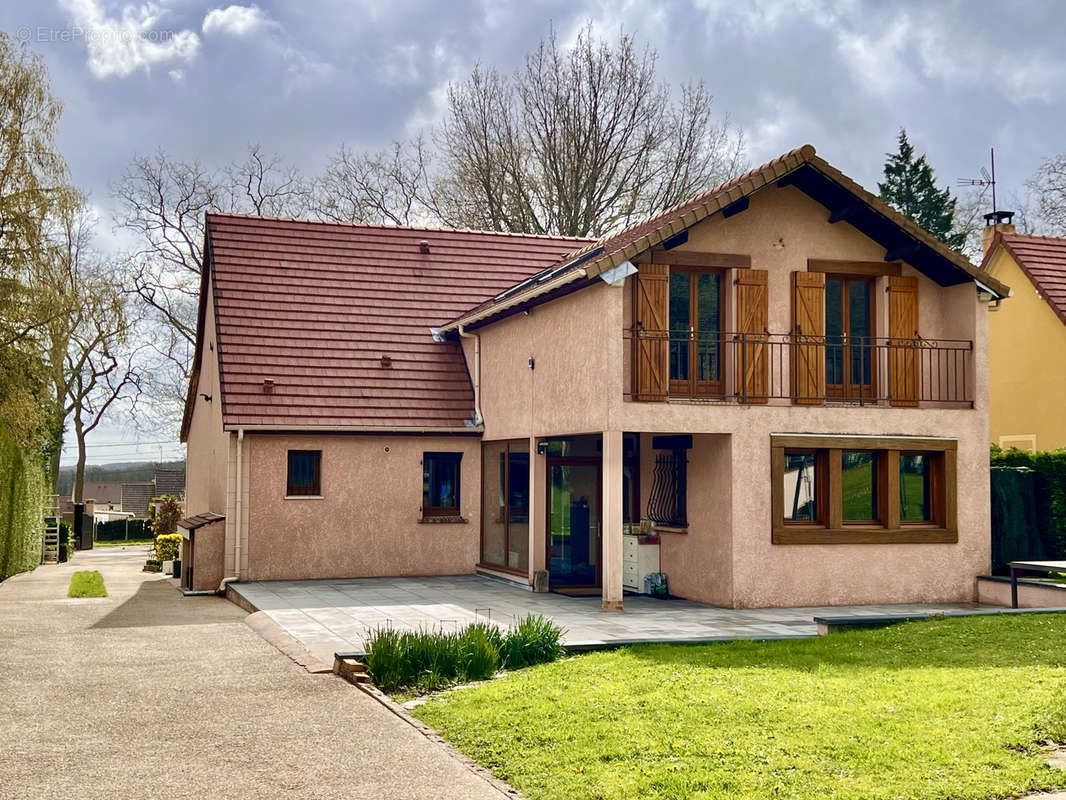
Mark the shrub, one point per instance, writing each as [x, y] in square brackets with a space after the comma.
[532, 640]
[168, 547]
[87, 583]
[1028, 508]
[385, 659]
[22, 506]
[479, 651]
[165, 515]
[427, 660]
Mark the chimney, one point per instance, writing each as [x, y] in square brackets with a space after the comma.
[1002, 221]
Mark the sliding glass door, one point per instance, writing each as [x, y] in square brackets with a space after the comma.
[505, 505]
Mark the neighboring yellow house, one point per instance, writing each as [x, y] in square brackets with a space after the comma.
[1027, 352]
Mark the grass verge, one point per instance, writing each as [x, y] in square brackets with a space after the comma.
[944, 708]
[87, 583]
[122, 543]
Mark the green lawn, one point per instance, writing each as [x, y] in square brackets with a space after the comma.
[87, 583]
[946, 708]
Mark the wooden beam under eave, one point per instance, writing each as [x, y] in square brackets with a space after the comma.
[844, 214]
[693, 258]
[736, 207]
[902, 252]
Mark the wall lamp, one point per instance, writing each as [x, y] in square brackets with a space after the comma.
[206, 397]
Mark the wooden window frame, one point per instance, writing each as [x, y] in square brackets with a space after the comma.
[830, 528]
[821, 488]
[693, 386]
[431, 512]
[315, 489]
[849, 391]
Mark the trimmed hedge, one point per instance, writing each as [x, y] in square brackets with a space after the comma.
[22, 500]
[168, 546]
[1028, 506]
[115, 530]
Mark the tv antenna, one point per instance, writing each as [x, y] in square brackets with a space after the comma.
[985, 180]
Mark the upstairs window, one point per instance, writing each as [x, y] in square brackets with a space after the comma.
[440, 484]
[304, 474]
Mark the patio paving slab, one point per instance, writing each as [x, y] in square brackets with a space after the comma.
[333, 615]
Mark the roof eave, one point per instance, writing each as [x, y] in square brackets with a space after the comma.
[413, 430]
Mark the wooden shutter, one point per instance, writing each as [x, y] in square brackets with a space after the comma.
[903, 352]
[651, 332]
[752, 359]
[808, 336]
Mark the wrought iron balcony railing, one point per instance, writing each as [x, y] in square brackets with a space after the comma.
[783, 368]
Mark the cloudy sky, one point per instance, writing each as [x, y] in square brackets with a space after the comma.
[203, 80]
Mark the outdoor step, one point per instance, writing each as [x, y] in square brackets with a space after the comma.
[351, 669]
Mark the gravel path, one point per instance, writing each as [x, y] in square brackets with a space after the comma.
[147, 694]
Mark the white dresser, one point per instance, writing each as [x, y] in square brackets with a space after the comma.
[638, 560]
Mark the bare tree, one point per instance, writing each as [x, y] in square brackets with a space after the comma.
[578, 142]
[164, 202]
[85, 344]
[389, 187]
[103, 369]
[1048, 191]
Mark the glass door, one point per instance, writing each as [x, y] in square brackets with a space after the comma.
[849, 351]
[574, 522]
[695, 333]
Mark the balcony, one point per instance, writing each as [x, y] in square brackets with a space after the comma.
[797, 369]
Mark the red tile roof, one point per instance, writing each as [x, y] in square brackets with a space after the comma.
[1043, 260]
[315, 307]
[596, 257]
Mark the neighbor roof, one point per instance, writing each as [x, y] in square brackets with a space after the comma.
[1042, 259]
[339, 318]
[802, 168]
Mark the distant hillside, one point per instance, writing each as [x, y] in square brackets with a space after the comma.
[122, 471]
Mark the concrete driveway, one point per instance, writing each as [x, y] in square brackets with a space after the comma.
[146, 694]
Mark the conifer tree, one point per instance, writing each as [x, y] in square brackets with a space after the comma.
[910, 187]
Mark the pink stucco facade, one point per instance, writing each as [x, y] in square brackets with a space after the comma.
[580, 382]
[563, 369]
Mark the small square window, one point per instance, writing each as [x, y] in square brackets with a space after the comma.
[914, 470]
[305, 473]
[440, 484]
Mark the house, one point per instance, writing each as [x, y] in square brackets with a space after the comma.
[1027, 346]
[136, 496]
[170, 482]
[775, 394]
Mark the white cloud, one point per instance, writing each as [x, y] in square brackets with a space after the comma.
[119, 47]
[237, 21]
[399, 67]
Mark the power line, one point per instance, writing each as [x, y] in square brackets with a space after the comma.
[127, 444]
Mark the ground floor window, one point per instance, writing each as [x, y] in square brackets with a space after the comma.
[440, 484]
[304, 477]
[859, 490]
[505, 505]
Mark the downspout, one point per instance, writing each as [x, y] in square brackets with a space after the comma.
[478, 419]
[237, 522]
